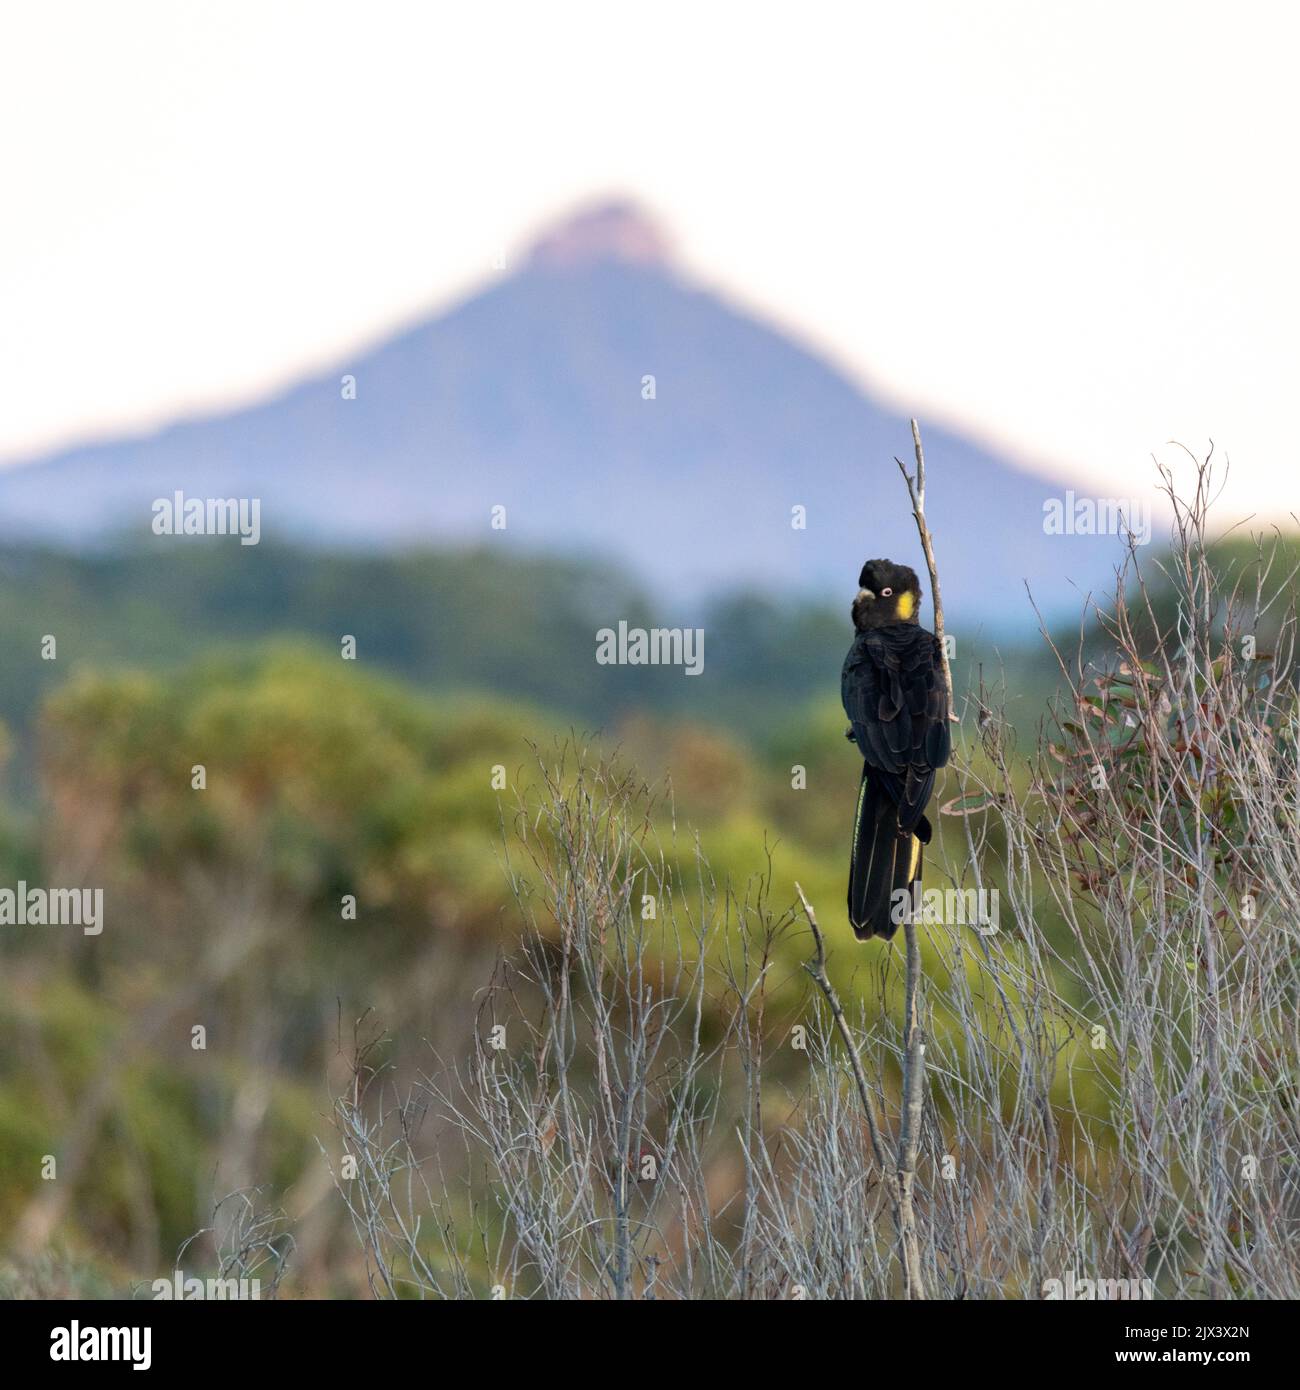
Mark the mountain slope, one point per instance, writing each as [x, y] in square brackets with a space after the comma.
[529, 396]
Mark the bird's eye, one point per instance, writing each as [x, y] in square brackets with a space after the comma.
[885, 593]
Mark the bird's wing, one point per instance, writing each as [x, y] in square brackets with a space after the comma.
[894, 695]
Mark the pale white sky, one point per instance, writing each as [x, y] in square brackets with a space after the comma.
[1070, 229]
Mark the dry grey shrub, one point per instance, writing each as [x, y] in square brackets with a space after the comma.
[251, 1240]
[1150, 863]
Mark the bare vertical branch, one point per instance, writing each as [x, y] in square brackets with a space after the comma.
[916, 491]
[909, 1128]
[914, 1053]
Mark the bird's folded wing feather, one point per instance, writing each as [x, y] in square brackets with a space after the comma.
[893, 691]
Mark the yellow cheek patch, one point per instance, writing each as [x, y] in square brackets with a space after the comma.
[906, 606]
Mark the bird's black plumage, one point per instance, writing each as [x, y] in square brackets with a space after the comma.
[896, 699]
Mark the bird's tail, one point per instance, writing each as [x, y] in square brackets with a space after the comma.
[885, 863]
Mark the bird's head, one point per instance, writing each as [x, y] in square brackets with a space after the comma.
[887, 593]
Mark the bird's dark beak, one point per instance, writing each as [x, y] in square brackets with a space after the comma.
[864, 593]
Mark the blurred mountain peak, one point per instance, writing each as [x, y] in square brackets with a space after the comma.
[614, 229]
[610, 406]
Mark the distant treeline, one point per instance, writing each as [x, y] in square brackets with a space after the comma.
[450, 619]
[456, 620]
